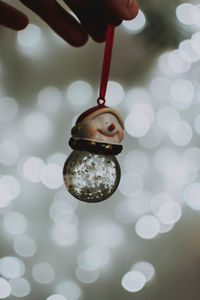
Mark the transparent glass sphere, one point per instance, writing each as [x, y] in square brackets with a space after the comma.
[91, 177]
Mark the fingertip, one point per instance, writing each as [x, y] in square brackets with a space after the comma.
[77, 42]
[132, 10]
[23, 23]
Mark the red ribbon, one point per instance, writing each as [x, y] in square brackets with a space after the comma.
[106, 63]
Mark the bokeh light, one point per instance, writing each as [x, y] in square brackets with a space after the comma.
[5, 288]
[182, 93]
[9, 153]
[24, 245]
[79, 93]
[37, 126]
[50, 99]
[114, 93]
[52, 176]
[12, 267]
[136, 24]
[181, 133]
[133, 281]
[184, 13]
[147, 227]
[29, 37]
[137, 124]
[145, 268]
[20, 287]
[70, 289]
[191, 195]
[15, 222]
[43, 273]
[33, 168]
[131, 184]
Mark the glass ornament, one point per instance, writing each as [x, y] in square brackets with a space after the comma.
[92, 173]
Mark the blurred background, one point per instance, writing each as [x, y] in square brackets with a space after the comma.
[144, 241]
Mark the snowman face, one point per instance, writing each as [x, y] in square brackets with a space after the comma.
[103, 128]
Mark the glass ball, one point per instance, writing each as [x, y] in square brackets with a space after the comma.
[91, 177]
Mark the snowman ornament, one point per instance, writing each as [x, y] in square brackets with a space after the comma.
[92, 173]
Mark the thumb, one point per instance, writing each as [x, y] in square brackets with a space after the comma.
[122, 9]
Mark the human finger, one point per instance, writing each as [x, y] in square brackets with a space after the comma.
[11, 17]
[63, 23]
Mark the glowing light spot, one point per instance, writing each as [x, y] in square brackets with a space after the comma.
[4, 195]
[9, 153]
[93, 258]
[159, 88]
[8, 109]
[33, 168]
[37, 126]
[29, 37]
[152, 139]
[169, 212]
[12, 184]
[164, 66]
[43, 273]
[158, 199]
[145, 108]
[52, 176]
[167, 117]
[131, 184]
[191, 195]
[137, 124]
[56, 297]
[195, 41]
[147, 227]
[15, 223]
[50, 99]
[5, 288]
[137, 162]
[136, 24]
[97, 256]
[108, 234]
[79, 93]
[192, 156]
[61, 211]
[163, 157]
[179, 61]
[12, 267]
[87, 276]
[70, 289]
[197, 124]
[57, 158]
[135, 95]
[133, 281]
[25, 245]
[187, 52]
[145, 268]
[182, 93]
[114, 94]
[184, 13]
[181, 133]
[20, 287]
[65, 234]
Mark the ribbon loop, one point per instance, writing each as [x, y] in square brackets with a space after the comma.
[106, 62]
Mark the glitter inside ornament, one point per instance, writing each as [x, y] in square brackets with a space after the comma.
[91, 177]
[92, 172]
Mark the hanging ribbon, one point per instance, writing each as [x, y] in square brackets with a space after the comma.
[106, 63]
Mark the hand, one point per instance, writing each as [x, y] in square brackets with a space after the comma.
[94, 15]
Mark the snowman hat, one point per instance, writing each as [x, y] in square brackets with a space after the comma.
[96, 111]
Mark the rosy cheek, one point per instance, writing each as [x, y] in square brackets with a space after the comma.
[92, 131]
